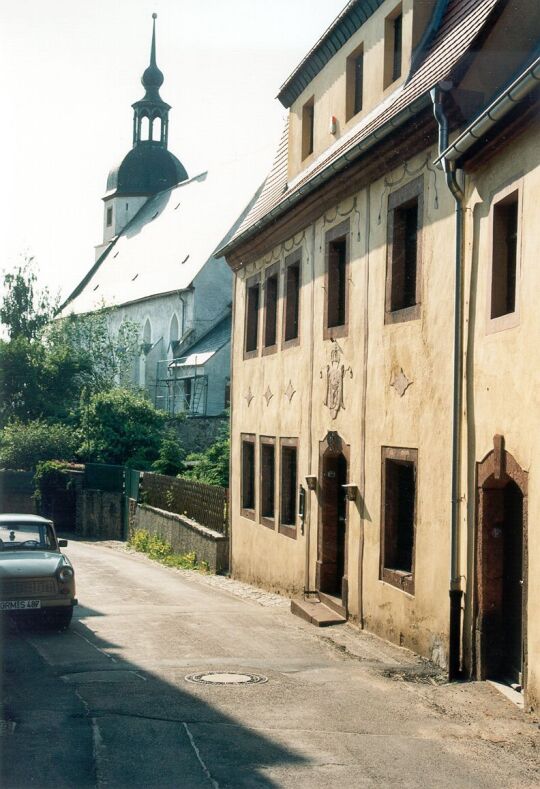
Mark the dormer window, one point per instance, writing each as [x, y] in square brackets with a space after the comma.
[308, 117]
[355, 82]
[109, 217]
[393, 46]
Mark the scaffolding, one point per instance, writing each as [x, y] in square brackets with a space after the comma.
[182, 385]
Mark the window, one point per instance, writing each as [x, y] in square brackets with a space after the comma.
[308, 120]
[252, 316]
[336, 281]
[109, 217]
[268, 480]
[271, 292]
[504, 256]
[291, 307]
[355, 82]
[393, 46]
[398, 516]
[403, 270]
[248, 476]
[289, 476]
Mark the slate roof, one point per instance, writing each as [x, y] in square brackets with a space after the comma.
[212, 342]
[460, 26]
[166, 244]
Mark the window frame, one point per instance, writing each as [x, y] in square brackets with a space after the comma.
[248, 512]
[401, 579]
[308, 128]
[334, 234]
[266, 441]
[269, 273]
[509, 319]
[109, 216]
[252, 282]
[414, 190]
[294, 259]
[390, 47]
[351, 83]
[288, 529]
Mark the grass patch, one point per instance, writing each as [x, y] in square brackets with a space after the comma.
[158, 549]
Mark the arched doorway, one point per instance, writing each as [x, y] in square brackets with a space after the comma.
[332, 542]
[501, 568]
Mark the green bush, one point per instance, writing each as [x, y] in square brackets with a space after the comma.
[212, 465]
[171, 456]
[119, 425]
[50, 478]
[139, 540]
[24, 445]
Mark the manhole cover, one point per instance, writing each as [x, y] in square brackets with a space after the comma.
[225, 678]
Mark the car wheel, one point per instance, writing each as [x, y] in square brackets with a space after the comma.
[60, 618]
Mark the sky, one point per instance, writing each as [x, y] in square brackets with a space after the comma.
[71, 70]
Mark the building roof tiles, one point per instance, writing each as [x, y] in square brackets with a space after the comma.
[461, 24]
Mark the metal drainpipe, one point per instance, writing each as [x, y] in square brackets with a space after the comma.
[456, 593]
[309, 494]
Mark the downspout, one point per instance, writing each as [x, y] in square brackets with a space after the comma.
[307, 584]
[232, 437]
[456, 593]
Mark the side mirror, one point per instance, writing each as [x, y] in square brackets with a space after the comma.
[62, 543]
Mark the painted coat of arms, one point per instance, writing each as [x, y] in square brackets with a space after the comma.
[335, 373]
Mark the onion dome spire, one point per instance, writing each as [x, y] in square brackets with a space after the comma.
[151, 106]
[152, 79]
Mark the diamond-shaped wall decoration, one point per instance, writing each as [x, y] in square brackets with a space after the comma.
[400, 382]
[289, 391]
[268, 395]
[249, 396]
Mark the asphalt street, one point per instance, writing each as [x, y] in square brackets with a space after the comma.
[108, 703]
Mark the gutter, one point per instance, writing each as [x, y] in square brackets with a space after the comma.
[329, 172]
[455, 591]
[517, 91]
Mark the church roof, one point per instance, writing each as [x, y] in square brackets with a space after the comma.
[166, 244]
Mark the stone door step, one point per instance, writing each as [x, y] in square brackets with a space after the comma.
[316, 613]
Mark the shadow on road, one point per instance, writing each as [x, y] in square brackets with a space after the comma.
[84, 717]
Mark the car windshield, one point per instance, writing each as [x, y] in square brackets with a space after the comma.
[26, 536]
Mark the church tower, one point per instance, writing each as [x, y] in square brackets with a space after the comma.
[149, 167]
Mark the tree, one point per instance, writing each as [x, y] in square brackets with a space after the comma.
[171, 455]
[107, 357]
[120, 425]
[25, 309]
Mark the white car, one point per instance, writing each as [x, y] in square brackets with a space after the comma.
[34, 575]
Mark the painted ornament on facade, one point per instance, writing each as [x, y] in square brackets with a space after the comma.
[335, 374]
[400, 382]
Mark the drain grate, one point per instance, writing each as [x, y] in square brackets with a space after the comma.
[226, 678]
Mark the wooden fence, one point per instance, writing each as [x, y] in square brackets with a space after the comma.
[206, 504]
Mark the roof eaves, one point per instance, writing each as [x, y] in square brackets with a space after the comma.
[491, 115]
[355, 13]
[327, 172]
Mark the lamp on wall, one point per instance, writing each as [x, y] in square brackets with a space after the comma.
[311, 482]
[351, 491]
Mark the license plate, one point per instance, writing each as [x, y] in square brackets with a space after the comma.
[19, 605]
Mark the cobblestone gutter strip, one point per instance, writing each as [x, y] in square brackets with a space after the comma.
[237, 588]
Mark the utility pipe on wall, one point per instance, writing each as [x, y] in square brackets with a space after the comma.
[456, 593]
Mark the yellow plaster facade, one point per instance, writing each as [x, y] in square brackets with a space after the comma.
[379, 386]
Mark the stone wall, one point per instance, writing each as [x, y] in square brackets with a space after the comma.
[198, 433]
[185, 535]
[100, 515]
